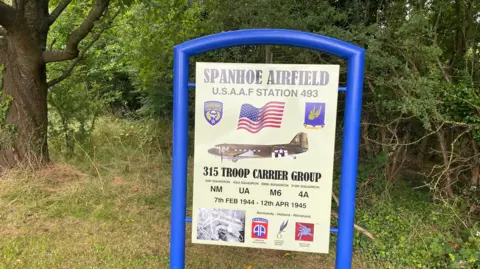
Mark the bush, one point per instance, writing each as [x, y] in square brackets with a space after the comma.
[411, 230]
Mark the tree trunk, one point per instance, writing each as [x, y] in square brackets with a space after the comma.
[476, 166]
[68, 139]
[445, 154]
[24, 81]
[385, 150]
[366, 141]
[421, 152]
[268, 54]
[24, 29]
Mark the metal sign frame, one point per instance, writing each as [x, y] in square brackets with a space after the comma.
[350, 140]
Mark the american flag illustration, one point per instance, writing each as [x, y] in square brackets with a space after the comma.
[254, 119]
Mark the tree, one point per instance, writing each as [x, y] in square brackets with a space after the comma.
[24, 28]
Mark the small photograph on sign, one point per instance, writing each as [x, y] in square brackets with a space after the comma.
[221, 225]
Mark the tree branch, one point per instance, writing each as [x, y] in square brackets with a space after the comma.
[358, 228]
[7, 15]
[53, 43]
[71, 52]
[355, 226]
[74, 63]
[69, 70]
[58, 11]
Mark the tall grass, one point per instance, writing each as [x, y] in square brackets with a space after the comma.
[105, 207]
[108, 206]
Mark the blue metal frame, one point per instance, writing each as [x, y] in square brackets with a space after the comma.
[355, 69]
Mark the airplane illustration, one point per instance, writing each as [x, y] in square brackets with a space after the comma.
[234, 152]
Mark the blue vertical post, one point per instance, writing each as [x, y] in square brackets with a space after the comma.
[348, 176]
[179, 160]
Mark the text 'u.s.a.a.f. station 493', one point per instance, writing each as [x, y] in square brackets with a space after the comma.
[264, 153]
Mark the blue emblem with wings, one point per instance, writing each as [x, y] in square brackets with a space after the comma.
[213, 112]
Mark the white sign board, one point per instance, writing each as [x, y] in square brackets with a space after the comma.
[264, 153]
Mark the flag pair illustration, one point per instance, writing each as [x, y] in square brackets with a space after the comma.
[270, 115]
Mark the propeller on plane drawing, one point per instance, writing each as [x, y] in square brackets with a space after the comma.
[221, 156]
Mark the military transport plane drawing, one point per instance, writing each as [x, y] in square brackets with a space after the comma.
[234, 152]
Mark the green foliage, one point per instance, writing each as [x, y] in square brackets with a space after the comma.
[151, 30]
[462, 106]
[422, 75]
[413, 234]
[7, 131]
[76, 106]
[99, 83]
[411, 230]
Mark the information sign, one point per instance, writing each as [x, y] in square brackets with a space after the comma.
[264, 153]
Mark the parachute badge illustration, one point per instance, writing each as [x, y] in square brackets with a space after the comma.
[213, 111]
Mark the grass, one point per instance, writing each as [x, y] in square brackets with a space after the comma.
[109, 207]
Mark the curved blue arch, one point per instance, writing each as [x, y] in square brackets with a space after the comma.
[351, 131]
[269, 37]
